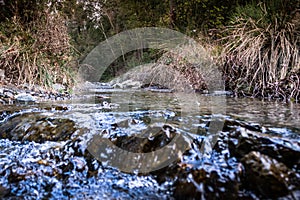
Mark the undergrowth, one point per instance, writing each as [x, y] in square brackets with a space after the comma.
[261, 53]
[38, 52]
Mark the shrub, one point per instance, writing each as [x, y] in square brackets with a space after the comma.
[261, 52]
[36, 51]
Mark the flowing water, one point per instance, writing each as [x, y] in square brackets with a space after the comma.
[53, 149]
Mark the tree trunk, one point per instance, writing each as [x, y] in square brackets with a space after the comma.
[172, 13]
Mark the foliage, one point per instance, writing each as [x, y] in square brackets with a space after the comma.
[25, 10]
[131, 60]
[200, 14]
[128, 14]
[261, 38]
[185, 16]
[262, 50]
[35, 46]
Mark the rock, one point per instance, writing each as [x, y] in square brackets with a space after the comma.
[245, 164]
[2, 75]
[159, 90]
[198, 177]
[267, 177]
[128, 84]
[205, 184]
[38, 89]
[3, 191]
[9, 93]
[150, 140]
[85, 86]
[25, 97]
[244, 141]
[88, 85]
[37, 128]
[42, 95]
[221, 93]
[149, 150]
[105, 86]
[154, 74]
[58, 87]
[27, 94]
[202, 179]
[156, 88]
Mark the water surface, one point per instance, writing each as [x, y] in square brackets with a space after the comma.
[63, 169]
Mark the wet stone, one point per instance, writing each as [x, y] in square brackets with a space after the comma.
[202, 179]
[151, 140]
[25, 97]
[9, 93]
[68, 171]
[3, 191]
[267, 177]
[235, 170]
[38, 128]
[25, 94]
[243, 141]
[246, 162]
[208, 185]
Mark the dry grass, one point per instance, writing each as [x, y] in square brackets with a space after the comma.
[38, 53]
[263, 61]
[183, 69]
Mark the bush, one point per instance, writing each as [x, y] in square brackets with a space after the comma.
[261, 52]
[36, 49]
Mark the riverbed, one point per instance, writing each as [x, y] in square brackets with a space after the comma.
[142, 144]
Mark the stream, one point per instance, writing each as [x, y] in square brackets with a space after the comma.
[144, 144]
